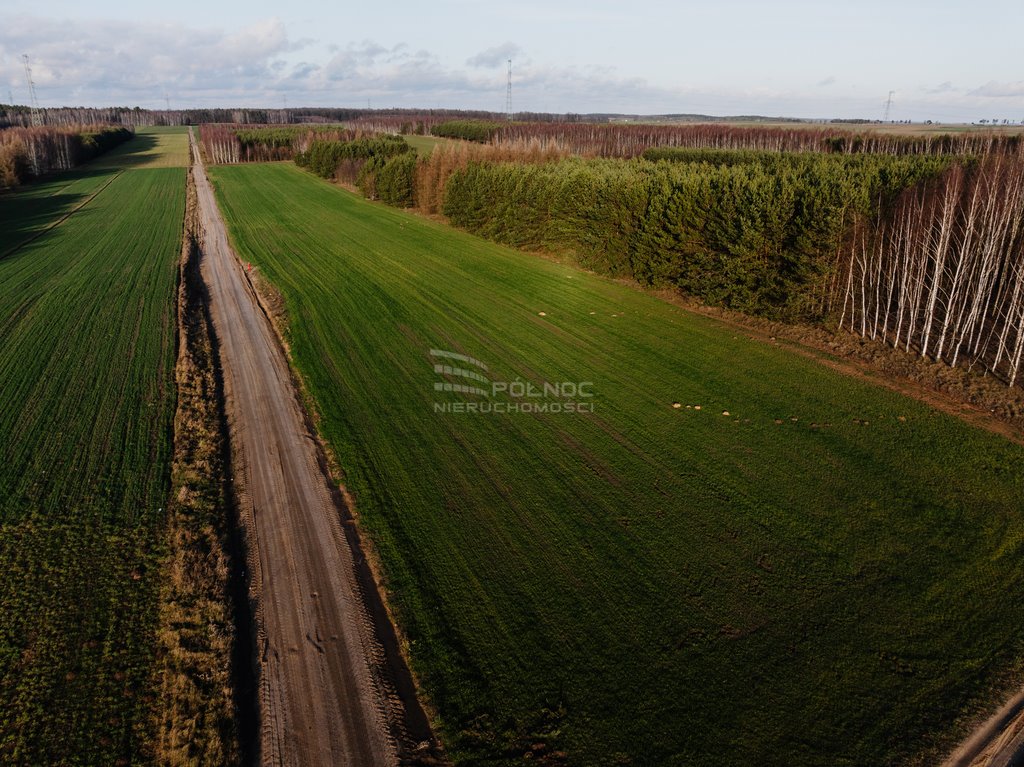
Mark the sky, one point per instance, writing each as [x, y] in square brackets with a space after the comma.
[945, 61]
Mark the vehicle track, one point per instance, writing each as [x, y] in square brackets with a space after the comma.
[57, 222]
[324, 697]
[996, 742]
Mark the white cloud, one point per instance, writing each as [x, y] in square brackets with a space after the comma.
[993, 89]
[495, 56]
[103, 63]
[118, 62]
[944, 87]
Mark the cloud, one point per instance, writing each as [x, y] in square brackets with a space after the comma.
[993, 89]
[495, 56]
[106, 62]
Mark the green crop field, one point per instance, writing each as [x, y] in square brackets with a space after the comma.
[827, 574]
[87, 350]
[29, 211]
[424, 145]
[159, 147]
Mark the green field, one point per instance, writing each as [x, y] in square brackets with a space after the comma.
[829, 574]
[424, 145]
[87, 350]
[31, 210]
[159, 147]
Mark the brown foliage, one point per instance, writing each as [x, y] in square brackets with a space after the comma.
[194, 711]
[631, 140]
[14, 163]
[433, 173]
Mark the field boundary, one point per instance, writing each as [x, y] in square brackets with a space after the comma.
[788, 337]
[819, 344]
[54, 224]
[827, 348]
[412, 715]
[996, 742]
[201, 619]
[380, 710]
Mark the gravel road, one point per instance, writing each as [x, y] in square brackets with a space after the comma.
[322, 698]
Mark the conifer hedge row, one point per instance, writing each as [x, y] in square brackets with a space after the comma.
[757, 232]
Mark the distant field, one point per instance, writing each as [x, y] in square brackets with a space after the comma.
[87, 345]
[922, 129]
[806, 570]
[898, 129]
[161, 147]
[424, 145]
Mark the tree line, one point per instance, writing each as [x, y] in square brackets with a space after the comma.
[27, 153]
[604, 139]
[899, 242]
[227, 143]
[920, 251]
[925, 253]
[632, 140]
[942, 273]
[382, 166]
[467, 130]
[759, 236]
[380, 120]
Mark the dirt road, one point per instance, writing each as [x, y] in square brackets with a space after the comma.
[997, 742]
[323, 698]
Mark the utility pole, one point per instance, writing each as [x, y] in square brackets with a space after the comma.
[888, 106]
[37, 118]
[508, 93]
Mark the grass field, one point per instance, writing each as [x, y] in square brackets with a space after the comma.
[29, 211]
[87, 345]
[424, 145]
[159, 147]
[828, 574]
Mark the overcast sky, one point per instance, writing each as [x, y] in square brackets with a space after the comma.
[948, 61]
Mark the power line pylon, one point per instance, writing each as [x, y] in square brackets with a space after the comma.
[508, 93]
[37, 118]
[888, 106]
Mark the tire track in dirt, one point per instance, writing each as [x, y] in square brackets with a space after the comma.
[323, 694]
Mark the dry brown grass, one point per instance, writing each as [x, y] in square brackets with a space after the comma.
[195, 712]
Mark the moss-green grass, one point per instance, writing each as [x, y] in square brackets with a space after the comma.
[87, 344]
[642, 585]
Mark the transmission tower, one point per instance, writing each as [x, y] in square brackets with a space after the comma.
[508, 93]
[37, 118]
[888, 106]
